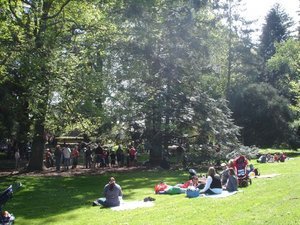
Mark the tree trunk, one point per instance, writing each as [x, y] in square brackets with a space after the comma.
[38, 143]
[155, 137]
[156, 150]
[37, 154]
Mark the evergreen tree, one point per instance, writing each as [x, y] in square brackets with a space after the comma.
[263, 114]
[275, 30]
[162, 68]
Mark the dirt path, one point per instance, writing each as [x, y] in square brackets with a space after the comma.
[80, 170]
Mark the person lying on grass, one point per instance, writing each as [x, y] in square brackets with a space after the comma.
[163, 188]
[213, 183]
[195, 182]
[112, 192]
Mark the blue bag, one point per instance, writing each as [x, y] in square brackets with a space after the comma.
[192, 193]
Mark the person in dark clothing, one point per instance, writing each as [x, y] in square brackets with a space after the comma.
[98, 154]
[106, 157]
[58, 157]
[88, 157]
[262, 159]
[213, 183]
[120, 156]
[179, 153]
[112, 158]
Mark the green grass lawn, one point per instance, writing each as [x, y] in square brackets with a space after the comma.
[67, 200]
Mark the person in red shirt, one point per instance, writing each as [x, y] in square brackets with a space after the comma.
[132, 156]
[195, 182]
[75, 156]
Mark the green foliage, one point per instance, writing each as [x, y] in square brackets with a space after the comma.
[161, 71]
[274, 30]
[7, 116]
[262, 113]
[250, 152]
[151, 70]
[286, 57]
[286, 63]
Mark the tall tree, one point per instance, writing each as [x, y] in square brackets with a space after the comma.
[275, 30]
[286, 62]
[167, 55]
[53, 55]
[78, 96]
[39, 29]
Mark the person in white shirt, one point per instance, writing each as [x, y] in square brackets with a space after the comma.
[17, 158]
[67, 156]
[213, 183]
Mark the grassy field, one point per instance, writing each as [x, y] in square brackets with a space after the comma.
[67, 200]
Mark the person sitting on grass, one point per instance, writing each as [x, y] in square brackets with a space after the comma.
[262, 159]
[225, 172]
[282, 157]
[213, 183]
[232, 181]
[112, 192]
[276, 158]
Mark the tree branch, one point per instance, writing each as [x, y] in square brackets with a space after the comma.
[19, 21]
[60, 10]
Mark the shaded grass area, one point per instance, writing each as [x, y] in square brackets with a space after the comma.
[67, 200]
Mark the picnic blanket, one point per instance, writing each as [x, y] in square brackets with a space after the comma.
[222, 195]
[127, 205]
[132, 205]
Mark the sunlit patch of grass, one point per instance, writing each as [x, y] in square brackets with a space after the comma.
[60, 200]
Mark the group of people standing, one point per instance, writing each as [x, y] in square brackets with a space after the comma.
[101, 157]
[94, 156]
[64, 156]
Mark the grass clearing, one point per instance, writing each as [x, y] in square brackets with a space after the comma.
[67, 200]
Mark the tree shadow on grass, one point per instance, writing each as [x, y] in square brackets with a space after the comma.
[46, 197]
